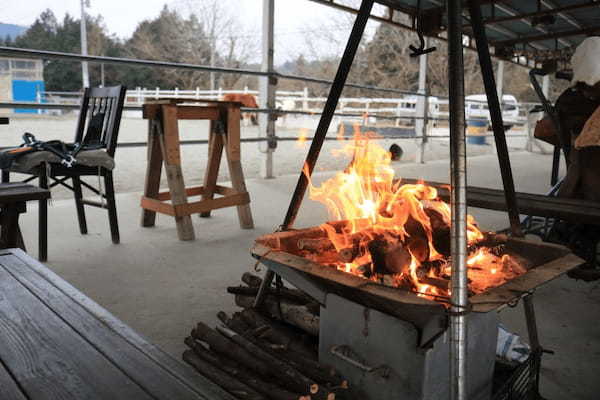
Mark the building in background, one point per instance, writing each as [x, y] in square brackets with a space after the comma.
[21, 80]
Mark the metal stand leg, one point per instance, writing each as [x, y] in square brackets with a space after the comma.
[313, 153]
[264, 288]
[332, 100]
[487, 72]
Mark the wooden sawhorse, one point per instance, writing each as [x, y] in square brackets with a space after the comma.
[163, 146]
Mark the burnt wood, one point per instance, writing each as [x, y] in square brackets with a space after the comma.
[55, 343]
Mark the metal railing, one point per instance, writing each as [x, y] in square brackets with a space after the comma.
[365, 113]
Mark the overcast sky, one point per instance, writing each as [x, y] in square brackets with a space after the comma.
[293, 18]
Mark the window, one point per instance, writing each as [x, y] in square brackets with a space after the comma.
[23, 64]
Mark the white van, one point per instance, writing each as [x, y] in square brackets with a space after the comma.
[476, 107]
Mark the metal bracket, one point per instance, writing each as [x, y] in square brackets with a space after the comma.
[345, 352]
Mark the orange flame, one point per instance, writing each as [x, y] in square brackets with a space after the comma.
[375, 206]
[301, 142]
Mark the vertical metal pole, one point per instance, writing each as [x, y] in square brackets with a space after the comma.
[332, 100]
[500, 80]
[422, 106]
[458, 180]
[487, 72]
[84, 50]
[267, 86]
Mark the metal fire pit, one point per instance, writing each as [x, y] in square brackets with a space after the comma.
[392, 343]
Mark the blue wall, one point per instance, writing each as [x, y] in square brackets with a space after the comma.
[26, 91]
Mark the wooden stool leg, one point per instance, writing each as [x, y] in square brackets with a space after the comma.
[235, 165]
[153, 171]
[215, 152]
[172, 157]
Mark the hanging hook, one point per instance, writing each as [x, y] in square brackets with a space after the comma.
[419, 51]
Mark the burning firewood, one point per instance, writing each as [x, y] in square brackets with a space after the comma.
[389, 258]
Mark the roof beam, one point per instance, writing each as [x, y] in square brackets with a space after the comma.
[566, 17]
[553, 35]
[558, 11]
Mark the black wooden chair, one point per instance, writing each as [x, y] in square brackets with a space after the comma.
[97, 127]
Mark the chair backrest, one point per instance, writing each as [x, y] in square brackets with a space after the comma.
[100, 117]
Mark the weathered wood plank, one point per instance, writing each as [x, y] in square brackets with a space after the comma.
[9, 390]
[48, 358]
[75, 302]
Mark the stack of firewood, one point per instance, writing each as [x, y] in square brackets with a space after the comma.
[266, 354]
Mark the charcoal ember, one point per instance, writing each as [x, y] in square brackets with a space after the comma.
[389, 258]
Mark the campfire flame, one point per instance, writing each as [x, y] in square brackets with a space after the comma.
[398, 233]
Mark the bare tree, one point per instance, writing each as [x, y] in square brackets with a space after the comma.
[231, 44]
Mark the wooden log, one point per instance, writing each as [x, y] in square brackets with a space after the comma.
[296, 315]
[317, 246]
[220, 344]
[440, 231]
[279, 333]
[237, 324]
[286, 293]
[309, 367]
[268, 389]
[224, 380]
[280, 369]
[389, 258]
[313, 369]
[251, 279]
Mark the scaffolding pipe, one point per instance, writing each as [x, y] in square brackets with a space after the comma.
[267, 87]
[458, 181]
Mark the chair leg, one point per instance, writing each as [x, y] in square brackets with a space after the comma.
[112, 207]
[5, 176]
[43, 221]
[79, 205]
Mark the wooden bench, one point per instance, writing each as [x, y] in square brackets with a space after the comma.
[55, 343]
[13, 199]
[539, 205]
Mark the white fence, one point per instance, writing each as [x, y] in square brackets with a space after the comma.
[401, 109]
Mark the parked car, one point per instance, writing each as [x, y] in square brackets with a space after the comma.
[476, 107]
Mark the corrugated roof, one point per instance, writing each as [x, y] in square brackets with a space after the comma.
[539, 30]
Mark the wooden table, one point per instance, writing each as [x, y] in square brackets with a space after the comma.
[13, 199]
[55, 343]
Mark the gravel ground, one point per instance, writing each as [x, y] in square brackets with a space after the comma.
[288, 157]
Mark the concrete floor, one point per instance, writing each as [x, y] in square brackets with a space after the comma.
[161, 287]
